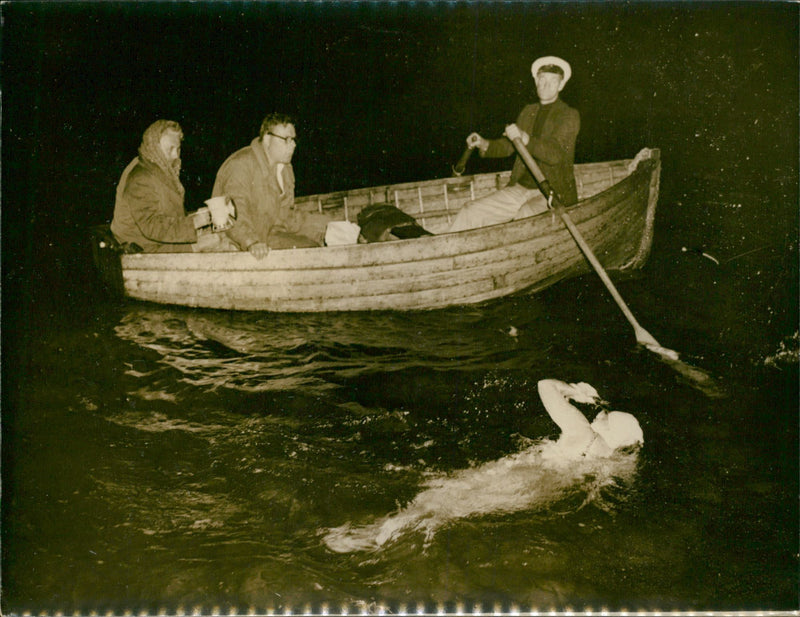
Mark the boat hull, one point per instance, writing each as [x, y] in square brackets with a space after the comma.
[423, 273]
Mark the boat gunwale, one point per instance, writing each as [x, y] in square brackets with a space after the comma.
[137, 275]
[379, 253]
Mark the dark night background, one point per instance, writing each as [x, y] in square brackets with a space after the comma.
[385, 93]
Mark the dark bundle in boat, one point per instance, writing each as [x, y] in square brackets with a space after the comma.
[380, 221]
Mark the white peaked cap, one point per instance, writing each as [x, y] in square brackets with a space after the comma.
[545, 60]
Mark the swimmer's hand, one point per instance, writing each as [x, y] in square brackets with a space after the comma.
[580, 392]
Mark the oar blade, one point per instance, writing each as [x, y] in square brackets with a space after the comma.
[695, 377]
[643, 337]
[692, 376]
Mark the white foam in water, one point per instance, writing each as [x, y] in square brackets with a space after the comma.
[532, 479]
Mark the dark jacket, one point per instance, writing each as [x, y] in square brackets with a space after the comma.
[149, 211]
[554, 149]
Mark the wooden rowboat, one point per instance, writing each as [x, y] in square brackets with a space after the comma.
[615, 215]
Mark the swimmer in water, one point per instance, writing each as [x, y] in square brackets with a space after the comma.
[530, 479]
[579, 438]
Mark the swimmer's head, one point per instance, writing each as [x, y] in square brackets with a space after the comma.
[618, 429]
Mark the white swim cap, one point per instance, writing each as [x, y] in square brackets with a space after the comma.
[620, 430]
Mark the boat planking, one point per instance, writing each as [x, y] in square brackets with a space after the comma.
[615, 214]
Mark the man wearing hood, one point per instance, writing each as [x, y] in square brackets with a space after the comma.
[149, 213]
[149, 210]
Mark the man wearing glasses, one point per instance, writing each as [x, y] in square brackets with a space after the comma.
[260, 180]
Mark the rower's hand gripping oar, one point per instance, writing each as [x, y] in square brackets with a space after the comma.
[461, 165]
[643, 337]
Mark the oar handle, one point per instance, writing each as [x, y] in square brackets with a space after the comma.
[643, 337]
[461, 165]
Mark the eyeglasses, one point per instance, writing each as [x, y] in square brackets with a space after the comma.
[288, 139]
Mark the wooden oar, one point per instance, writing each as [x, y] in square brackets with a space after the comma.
[643, 337]
[461, 165]
[696, 377]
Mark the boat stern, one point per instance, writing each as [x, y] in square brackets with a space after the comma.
[106, 252]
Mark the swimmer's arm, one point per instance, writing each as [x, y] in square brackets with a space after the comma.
[555, 398]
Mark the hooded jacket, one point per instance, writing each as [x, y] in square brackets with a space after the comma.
[149, 208]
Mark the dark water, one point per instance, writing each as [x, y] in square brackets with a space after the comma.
[168, 459]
